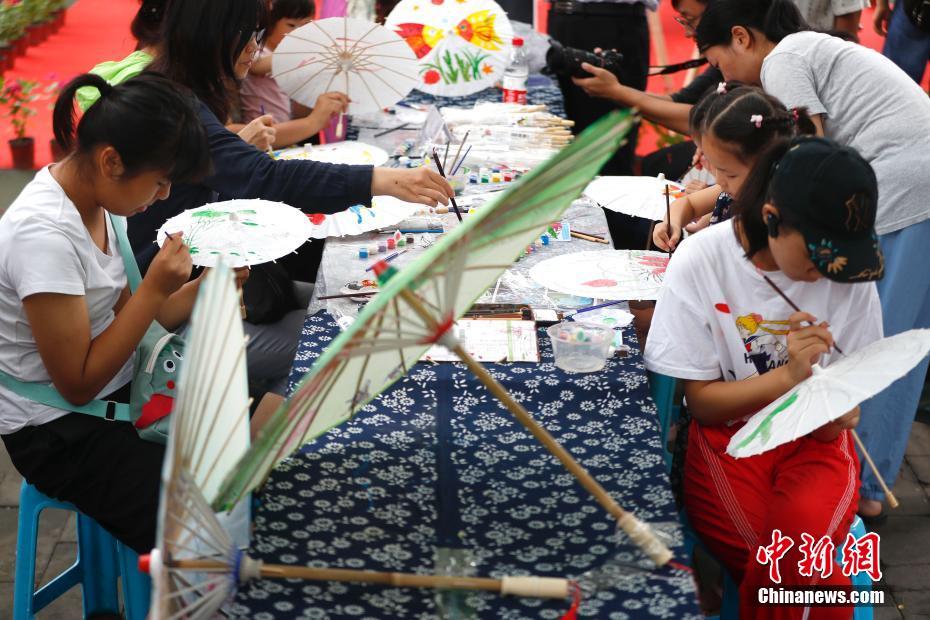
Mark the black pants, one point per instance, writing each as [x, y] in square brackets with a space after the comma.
[628, 33]
[103, 468]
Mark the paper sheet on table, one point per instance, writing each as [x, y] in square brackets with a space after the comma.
[491, 340]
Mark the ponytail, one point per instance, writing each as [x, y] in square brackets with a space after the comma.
[747, 120]
[775, 19]
[152, 123]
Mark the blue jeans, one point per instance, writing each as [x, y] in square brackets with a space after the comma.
[905, 297]
[907, 45]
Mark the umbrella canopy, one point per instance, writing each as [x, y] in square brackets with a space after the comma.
[607, 274]
[831, 392]
[463, 46]
[385, 211]
[369, 63]
[637, 196]
[240, 232]
[348, 152]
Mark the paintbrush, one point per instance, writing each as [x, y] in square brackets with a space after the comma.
[345, 295]
[578, 235]
[387, 259]
[668, 211]
[455, 164]
[442, 173]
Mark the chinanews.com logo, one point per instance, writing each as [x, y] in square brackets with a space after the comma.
[820, 558]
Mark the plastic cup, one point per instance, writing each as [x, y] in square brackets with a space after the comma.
[580, 347]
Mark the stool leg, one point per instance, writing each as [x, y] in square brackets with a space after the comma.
[137, 586]
[25, 575]
[97, 554]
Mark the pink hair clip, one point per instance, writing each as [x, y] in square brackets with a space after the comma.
[722, 88]
[756, 119]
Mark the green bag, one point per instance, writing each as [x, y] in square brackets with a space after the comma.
[156, 364]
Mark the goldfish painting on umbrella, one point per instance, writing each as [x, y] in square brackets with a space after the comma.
[462, 44]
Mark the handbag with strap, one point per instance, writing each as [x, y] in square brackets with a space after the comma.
[156, 364]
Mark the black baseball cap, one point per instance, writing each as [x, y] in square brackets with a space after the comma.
[830, 194]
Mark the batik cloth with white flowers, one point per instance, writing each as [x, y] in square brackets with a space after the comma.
[371, 494]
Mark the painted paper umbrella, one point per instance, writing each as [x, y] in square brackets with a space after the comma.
[241, 232]
[348, 152]
[198, 563]
[606, 274]
[385, 211]
[463, 46]
[831, 392]
[369, 63]
[637, 196]
[418, 306]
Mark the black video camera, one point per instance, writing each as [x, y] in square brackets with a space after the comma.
[566, 61]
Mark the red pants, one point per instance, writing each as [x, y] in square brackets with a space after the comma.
[806, 486]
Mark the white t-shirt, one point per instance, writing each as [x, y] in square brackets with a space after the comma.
[820, 14]
[718, 318]
[45, 248]
[868, 104]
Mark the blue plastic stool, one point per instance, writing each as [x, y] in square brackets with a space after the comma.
[98, 565]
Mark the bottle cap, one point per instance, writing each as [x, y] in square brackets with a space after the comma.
[518, 41]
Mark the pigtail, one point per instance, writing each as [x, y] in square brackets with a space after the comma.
[64, 116]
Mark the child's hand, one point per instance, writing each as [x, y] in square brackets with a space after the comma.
[694, 185]
[329, 105]
[831, 430]
[662, 239]
[171, 268]
[806, 344]
[242, 274]
[260, 132]
[699, 224]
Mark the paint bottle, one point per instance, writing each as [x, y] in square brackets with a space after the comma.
[391, 244]
[363, 253]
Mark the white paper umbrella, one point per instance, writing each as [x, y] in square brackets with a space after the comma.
[241, 232]
[463, 46]
[637, 196]
[385, 211]
[831, 392]
[367, 62]
[608, 274]
[348, 152]
[209, 433]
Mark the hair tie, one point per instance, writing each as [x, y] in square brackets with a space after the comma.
[756, 119]
[722, 88]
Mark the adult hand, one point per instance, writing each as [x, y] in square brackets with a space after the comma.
[806, 344]
[666, 237]
[260, 132]
[329, 105]
[420, 185]
[881, 17]
[171, 267]
[603, 83]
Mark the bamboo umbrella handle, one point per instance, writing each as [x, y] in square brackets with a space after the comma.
[892, 500]
[533, 587]
[638, 532]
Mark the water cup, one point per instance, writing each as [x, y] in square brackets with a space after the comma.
[580, 347]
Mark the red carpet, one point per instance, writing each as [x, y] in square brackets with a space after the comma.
[98, 30]
[94, 31]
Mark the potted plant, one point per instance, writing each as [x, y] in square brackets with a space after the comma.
[18, 96]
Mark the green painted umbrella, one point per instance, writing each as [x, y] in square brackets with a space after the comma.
[417, 308]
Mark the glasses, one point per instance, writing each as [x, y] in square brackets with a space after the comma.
[688, 23]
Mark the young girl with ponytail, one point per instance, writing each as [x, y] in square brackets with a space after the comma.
[66, 314]
[737, 123]
[862, 100]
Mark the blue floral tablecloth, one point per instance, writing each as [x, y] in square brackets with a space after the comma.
[437, 462]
